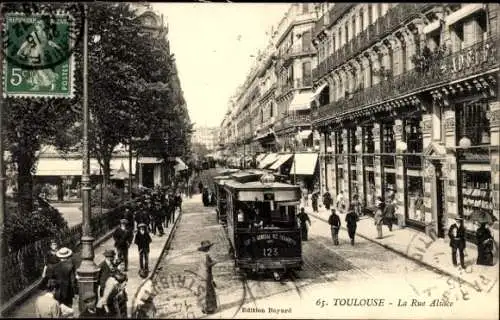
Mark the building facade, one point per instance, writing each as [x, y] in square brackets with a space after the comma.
[207, 136]
[270, 113]
[407, 107]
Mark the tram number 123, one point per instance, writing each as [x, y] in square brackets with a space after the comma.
[270, 252]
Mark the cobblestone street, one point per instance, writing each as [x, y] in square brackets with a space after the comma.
[364, 271]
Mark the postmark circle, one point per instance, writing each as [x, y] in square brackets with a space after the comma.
[41, 36]
[449, 285]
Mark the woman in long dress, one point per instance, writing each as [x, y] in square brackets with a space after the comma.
[206, 264]
[484, 245]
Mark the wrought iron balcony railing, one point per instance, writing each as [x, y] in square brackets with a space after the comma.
[389, 23]
[480, 57]
[303, 83]
[298, 50]
[292, 120]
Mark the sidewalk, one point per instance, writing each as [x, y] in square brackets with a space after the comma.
[27, 308]
[417, 246]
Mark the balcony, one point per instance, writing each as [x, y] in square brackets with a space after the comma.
[475, 59]
[303, 83]
[393, 20]
[293, 120]
[297, 51]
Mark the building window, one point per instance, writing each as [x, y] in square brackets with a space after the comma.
[271, 110]
[476, 197]
[354, 25]
[333, 43]
[473, 123]
[339, 144]
[457, 36]
[379, 10]
[306, 74]
[388, 144]
[415, 188]
[414, 142]
[361, 20]
[306, 40]
[346, 27]
[370, 13]
[340, 37]
[305, 8]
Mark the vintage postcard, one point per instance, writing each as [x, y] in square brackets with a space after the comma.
[249, 160]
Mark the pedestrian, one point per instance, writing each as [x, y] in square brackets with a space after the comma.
[379, 217]
[334, 222]
[341, 201]
[314, 201]
[114, 298]
[357, 205]
[204, 197]
[456, 233]
[352, 221]
[327, 199]
[205, 272]
[106, 269]
[389, 213]
[178, 201]
[142, 240]
[90, 309]
[46, 305]
[123, 238]
[65, 274]
[158, 216]
[306, 197]
[129, 216]
[484, 241]
[303, 218]
[51, 260]
[200, 187]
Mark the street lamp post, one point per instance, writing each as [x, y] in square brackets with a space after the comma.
[88, 270]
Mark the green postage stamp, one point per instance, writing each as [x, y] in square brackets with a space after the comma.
[38, 59]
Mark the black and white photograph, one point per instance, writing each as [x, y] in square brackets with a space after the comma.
[249, 160]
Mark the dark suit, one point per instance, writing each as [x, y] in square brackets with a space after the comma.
[457, 243]
[123, 239]
[104, 273]
[64, 273]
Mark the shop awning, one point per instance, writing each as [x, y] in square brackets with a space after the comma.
[481, 167]
[301, 101]
[463, 12]
[282, 158]
[150, 160]
[180, 166]
[318, 91]
[64, 167]
[268, 160]
[304, 134]
[304, 164]
[260, 157]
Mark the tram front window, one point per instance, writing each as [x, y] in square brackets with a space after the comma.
[265, 214]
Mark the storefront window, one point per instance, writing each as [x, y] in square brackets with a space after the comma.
[388, 144]
[368, 145]
[389, 184]
[414, 142]
[477, 204]
[370, 188]
[415, 202]
[473, 123]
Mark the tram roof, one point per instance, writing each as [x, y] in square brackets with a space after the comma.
[257, 185]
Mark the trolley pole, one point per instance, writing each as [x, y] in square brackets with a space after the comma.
[88, 270]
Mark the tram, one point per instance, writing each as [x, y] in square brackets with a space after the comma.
[262, 225]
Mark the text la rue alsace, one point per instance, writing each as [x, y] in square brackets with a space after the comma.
[371, 302]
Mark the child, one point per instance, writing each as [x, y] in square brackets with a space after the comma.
[142, 240]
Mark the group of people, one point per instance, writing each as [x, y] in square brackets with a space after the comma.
[151, 211]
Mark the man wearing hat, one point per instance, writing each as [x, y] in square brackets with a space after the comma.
[123, 238]
[106, 269]
[90, 310]
[114, 298]
[142, 240]
[457, 241]
[64, 274]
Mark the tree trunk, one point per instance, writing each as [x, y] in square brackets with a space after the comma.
[25, 183]
[106, 169]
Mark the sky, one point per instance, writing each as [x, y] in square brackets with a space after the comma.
[213, 44]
